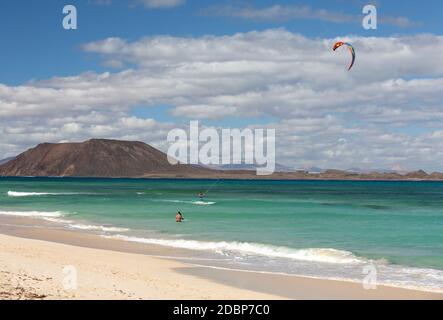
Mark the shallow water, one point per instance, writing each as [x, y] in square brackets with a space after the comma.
[328, 229]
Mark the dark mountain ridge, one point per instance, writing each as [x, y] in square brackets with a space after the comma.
[94, 158]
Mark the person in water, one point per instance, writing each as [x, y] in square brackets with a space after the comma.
[201, 195]
[179, 217]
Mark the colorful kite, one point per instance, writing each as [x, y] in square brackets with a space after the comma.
[351, 49]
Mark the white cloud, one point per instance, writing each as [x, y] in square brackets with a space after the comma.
[383, 113]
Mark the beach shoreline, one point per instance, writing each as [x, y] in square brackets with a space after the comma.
[33, 259]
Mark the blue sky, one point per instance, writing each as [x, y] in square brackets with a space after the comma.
[135, 69]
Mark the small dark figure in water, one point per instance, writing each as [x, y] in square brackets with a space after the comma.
[179, 217]
[201, 195]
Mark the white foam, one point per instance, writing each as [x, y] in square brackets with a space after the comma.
[57, 220]
[97, 228]
[203, 203]
[312, 254]
[75, 225]
[174, 201]
[37, 194]
[199, 203]
[39, 214]
[56, 217]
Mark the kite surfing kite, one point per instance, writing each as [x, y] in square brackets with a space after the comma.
[351, 49]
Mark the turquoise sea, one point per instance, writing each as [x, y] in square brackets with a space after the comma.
[326, 229]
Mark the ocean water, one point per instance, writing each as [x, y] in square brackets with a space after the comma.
[324, 229]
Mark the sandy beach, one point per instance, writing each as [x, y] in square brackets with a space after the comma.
[34, 269]
[41, 263]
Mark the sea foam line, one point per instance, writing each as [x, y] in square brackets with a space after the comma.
[58, 217]
[37, 194]
[327, 255]
[39, 214]
[96, 227]
[80, 226]
[198, 203]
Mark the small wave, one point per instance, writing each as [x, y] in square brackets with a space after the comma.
[198, 203]
[174, 201]
[97, 228]
[37, 194]
[73, 225]
[203, 203]
[58, 220]
[58, 217]
[39, 214]
[327, 255]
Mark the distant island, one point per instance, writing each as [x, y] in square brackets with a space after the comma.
[134, 159]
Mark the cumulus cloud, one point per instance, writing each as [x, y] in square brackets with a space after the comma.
[382, 114]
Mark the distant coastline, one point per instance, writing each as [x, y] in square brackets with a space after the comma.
[101, 158]
[250, 175]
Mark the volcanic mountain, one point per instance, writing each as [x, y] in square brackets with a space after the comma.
[96, 158]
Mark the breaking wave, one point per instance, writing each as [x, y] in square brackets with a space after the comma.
[198, 203]
[327, 255]
[58, 217]
[96, 228]
[37, 194]
[39, 214]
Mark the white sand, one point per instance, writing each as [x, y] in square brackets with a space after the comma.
[33, 269]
